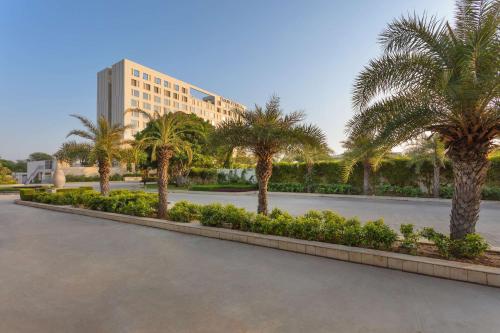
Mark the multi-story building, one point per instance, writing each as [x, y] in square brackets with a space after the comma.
[128, 85]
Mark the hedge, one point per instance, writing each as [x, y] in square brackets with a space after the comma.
[395, 171]
[324, 226]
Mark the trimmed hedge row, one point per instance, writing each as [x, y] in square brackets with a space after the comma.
[323, 226]
[397, 171]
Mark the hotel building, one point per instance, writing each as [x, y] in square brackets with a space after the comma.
[129, 85]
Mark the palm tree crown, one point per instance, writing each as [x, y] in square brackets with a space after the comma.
[267, 132]
[106, 142]
[443, 79]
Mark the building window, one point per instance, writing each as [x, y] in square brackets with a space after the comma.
[146, 106]
[147, 86]
[176, 96]
[157, 108]
[166, 101]
[176, 105]
[166, 93]
[135, 93]
[184, 107]
[184, 99]
[135, 113]
[145, 76]
[134, 103]
[176, 87]
[166, 110]
[156, 90]
[157, 80]
[134, 83]
[136, 72]
[157, 99]
[166, 84]
[146, 96]
[134, 123]
[184, 90]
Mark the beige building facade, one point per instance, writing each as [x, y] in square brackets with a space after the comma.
[127, 85]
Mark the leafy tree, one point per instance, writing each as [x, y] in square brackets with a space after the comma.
[443, 79]
[17, 166]
[105, 145]
[428, 148]
[133, 156]
[267, 132]
[5, 175]
[361, 150]
[164, 136]
[72, 151]
[39, 156]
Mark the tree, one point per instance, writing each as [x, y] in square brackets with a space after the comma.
[443, 79]
[360, 149]
[6, 175]
[164, 136]
[428, 148]
[72, 151]
[105, 145]
[39, 156]
[309, 155]
[267, 132]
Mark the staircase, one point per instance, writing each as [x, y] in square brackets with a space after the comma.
[31, 177]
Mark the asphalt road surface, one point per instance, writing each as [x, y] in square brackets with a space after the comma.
[69, 273]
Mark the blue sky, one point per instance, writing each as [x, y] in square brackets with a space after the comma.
[308, 52]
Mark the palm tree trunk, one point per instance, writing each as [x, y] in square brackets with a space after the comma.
[470, 165]
[264, 171]
[104, 168]
[436, 182]
[163, 156]
[366, 177]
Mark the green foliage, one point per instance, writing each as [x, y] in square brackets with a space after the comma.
[17, 166]
[224, 187]
[40, 156]
[26, 194]
[216, 215]
[315, 188]
[184, 211]
[471, 246]
[410, 238]
[5, 175]
[83, 179]
[378, 235]
[394, 190]
[488, 192]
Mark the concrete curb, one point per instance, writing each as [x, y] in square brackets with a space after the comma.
[452, 270]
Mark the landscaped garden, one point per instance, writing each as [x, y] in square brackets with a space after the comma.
[322, 226]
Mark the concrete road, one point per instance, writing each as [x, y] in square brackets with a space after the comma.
[394, 212]
[69, 273]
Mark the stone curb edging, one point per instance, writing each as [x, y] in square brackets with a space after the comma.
[452, 270]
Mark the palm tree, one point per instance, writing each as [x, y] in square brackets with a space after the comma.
[267, 132]
[443, 79]
[428, 148]
[360, 149]
[105, 145]
[163, 135]
[309, 155]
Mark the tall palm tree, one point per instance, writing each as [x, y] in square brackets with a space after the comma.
[163, 135]
[428, 148]
[360, 150]
[105, 145]
[267, 132]
[444, 79]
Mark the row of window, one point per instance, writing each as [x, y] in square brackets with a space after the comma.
[158, 81]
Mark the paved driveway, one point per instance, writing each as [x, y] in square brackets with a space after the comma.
[69, 273]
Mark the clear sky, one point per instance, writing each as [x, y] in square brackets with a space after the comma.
[308, 52]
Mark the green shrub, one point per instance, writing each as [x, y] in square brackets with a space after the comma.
[352, 232]
[184, 211]
[378, 235]
[286, 187]
[410, 238]
[471, 246]
[26, 194]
